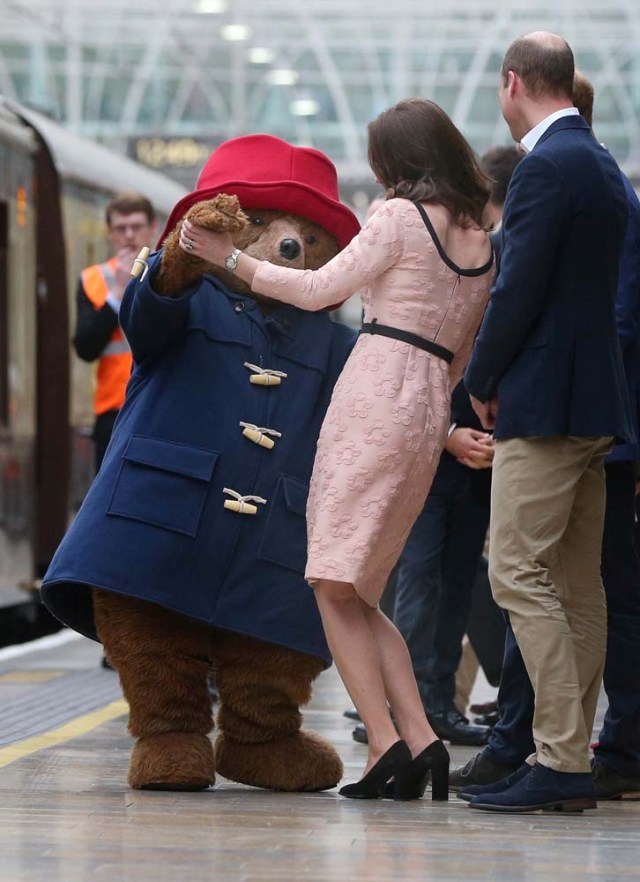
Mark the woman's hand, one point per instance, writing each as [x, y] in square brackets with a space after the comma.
[205, 244]
[215, 248]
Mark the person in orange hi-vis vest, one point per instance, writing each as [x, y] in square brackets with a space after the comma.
[98, 336]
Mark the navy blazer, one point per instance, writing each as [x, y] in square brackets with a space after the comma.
[153, 525]
[628, 318]
[548, 344]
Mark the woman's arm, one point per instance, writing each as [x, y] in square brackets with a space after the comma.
[376, 247]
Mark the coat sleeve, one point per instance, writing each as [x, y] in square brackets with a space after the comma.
[150, 321]
[628, 294]
[533, 229]
[377, 246]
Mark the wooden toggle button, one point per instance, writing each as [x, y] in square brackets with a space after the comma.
[264, 376]
[258, 434]
[242, 504]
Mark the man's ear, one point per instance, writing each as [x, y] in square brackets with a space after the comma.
[514, 83]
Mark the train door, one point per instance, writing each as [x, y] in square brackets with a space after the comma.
[4, 316]
[53, 460]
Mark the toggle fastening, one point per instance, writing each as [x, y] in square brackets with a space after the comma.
[241, 504]
[264, 376]
[258, 434]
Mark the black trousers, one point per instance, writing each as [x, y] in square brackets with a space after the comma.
[102, 430]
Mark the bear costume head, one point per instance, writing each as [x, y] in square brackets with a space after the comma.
[287, 210]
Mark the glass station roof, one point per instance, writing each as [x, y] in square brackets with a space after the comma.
[166, 81]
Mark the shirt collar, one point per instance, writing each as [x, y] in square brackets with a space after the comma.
[531, 138]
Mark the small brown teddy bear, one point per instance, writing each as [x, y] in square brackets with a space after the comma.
[189, 552]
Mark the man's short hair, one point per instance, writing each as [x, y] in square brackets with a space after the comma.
[545, 70]
[583, 96]
[129, 202]
[499, 163]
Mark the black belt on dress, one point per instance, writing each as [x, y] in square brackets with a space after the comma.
[407, 337]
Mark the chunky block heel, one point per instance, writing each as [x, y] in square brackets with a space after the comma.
[440, 773]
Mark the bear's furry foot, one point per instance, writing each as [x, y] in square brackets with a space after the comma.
[301, 762]
[172, 761]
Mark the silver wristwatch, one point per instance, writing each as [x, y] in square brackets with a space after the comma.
[231, 262]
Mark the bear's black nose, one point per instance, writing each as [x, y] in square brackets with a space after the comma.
[290, 249]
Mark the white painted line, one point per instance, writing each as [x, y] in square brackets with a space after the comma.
[50, 642]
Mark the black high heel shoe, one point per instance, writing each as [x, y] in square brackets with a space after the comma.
[411, 784]
[395, 763]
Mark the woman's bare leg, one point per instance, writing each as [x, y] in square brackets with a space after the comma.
[358, 660]
[399, 681]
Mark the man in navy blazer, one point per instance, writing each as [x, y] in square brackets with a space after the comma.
[616, 764]
[547, 376]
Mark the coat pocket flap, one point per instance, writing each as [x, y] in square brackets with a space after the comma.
[295, 495]
[182, 459]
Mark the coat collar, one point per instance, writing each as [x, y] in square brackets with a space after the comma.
[565, 122]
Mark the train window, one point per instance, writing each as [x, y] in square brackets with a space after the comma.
[4, 314]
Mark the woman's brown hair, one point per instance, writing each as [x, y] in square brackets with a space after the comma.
[417, 153]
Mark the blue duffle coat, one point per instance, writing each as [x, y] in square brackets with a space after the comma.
[153, 525]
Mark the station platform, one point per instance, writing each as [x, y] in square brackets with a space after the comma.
[67, 814]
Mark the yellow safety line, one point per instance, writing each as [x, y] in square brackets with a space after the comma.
[72, 729]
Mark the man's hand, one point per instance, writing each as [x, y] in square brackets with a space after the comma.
[486, 411]
[125, 257]
[471, 448]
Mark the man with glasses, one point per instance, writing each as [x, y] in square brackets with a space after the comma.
[98, 337]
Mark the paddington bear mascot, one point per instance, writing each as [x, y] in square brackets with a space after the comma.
[189, 550]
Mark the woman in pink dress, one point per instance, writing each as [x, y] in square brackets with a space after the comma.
[423, 265]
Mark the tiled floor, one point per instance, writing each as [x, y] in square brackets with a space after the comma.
[66, 814]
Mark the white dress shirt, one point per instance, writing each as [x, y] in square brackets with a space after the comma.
[531, 138]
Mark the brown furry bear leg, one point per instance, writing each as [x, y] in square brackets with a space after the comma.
[163, 660]
[262, 687]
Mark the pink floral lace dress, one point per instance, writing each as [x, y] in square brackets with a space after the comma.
[389, 414]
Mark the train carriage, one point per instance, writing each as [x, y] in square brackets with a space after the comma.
[54, 187]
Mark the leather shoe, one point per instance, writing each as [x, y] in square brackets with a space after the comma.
[480, 770]
[489, 720]
[610, 784]
[542, 789]
[488, 707]
[351, 714]
[453, 727]
[359, 734]
[468, 793]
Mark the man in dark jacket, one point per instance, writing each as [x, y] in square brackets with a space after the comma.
[547, 376]
[616, 768]
[98, 338]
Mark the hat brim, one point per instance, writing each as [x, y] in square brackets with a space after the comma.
[288, 196]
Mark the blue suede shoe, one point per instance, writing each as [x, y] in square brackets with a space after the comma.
[541, 789]
[468, 793]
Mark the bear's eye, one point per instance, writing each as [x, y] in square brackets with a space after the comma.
[311, 240]
[257, 221]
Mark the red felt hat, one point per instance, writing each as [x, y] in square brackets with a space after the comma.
[265, 172]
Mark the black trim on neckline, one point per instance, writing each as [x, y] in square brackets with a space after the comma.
[480, 271]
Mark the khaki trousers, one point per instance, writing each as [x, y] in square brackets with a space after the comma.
[547, 518]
